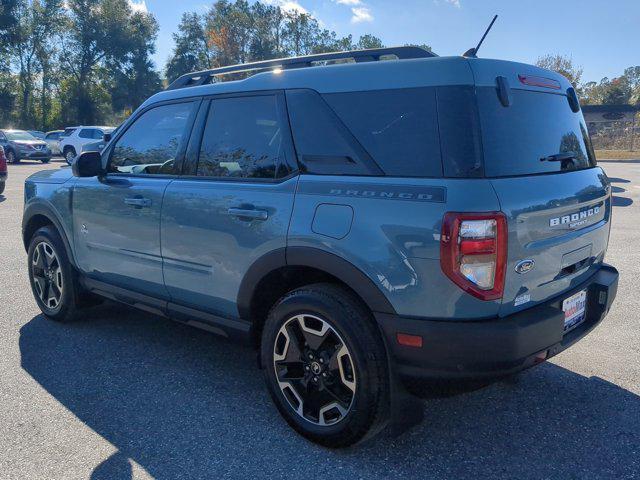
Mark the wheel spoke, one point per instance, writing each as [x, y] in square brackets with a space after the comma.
[314, 369]
[47, 277]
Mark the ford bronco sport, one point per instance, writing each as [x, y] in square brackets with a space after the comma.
[359, 217]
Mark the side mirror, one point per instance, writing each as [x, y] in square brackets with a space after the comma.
[88, 164]
[106, 138]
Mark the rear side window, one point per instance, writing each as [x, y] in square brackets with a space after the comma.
[398, 128]
[323, 143]
[87, 133]
[243, 138]
[536, 125]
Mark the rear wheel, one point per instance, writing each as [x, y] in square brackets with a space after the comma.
[54, 281]
[325, 365]
[45, 160]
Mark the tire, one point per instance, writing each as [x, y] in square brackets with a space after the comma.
[11, 157]
[2, 184]
[349, 399]
[45, 160]
[69, 155]
[52, 276]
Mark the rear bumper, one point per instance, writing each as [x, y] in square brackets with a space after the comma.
[498, 346]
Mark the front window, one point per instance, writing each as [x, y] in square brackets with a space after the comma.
[19, 135]
[150, 145]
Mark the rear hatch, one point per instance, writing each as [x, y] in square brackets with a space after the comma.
[539, 159]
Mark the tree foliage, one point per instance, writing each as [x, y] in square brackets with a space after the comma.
[238, 32]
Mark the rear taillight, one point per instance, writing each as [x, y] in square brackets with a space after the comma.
[473, 252]
[539, 81]
[3, 161]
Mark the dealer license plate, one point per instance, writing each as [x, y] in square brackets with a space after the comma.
[574, 309]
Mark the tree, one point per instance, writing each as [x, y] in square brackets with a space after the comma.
[99, 33]
[191, 52]
[564, 66]
[30, 35]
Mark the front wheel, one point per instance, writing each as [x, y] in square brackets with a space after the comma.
[45, 160]
[11, 157]
[54, 282]
[69, 155]
[325, 365]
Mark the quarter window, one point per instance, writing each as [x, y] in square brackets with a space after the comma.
[150, 145]
[243, 138]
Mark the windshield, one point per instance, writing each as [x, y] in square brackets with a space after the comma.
[537, 133]
[19, 135]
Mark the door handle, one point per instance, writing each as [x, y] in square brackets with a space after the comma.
[251, 213]
[138, 202]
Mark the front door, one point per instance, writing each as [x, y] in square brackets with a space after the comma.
[117, 217]
[233, 206]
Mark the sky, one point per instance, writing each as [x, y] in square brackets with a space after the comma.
[603, 37]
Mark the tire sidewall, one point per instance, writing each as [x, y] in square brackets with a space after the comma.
[68, 300]
[367, 382]
[12, 154]
[66, 155]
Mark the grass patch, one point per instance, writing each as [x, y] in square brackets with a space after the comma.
[618, 154]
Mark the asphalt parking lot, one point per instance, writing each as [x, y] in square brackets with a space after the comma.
[128, 395]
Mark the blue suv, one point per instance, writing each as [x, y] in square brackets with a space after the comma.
[362, 218]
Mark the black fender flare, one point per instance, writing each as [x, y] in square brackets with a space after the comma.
[50, 213]
[318, 259]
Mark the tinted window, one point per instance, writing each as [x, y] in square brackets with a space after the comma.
[53, 136]
[243, 138]
[323, 143]
[536, 125]
[98, 134]
[151, 143]
[399, 128]
[87, 133]
[68, 131]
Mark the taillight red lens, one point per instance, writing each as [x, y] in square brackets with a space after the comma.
[3, 161]
[473, 252]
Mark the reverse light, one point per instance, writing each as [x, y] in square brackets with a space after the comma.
[473, 252]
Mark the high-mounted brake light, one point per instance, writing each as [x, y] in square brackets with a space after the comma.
[543, 82]
[473, 252]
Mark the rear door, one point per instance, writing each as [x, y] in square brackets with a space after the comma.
[233, 203]
[539, 158]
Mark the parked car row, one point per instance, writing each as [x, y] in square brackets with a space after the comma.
[36, 145]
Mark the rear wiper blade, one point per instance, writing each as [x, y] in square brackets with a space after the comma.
[559, 157]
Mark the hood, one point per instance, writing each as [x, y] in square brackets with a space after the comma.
[52, 176]
[35, 143]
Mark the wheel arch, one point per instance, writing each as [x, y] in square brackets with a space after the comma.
[38, 215]
[279, 271]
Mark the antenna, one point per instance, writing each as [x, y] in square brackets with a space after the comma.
[472, 52]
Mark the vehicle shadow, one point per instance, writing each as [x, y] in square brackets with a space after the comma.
[183, 403]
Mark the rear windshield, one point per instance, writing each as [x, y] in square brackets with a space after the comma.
[535, 126]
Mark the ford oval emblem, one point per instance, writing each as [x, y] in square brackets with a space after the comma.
[524, 266]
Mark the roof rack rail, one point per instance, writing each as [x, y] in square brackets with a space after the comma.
[369, 55]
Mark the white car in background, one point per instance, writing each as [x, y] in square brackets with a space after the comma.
[53, 141]
[71, 144]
